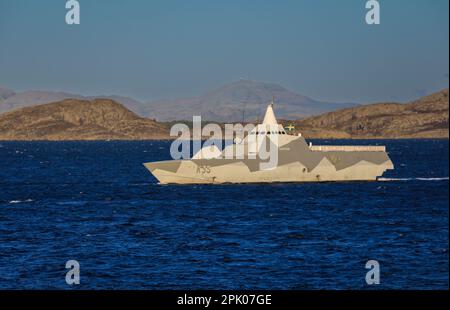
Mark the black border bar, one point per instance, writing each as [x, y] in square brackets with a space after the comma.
[368, 298]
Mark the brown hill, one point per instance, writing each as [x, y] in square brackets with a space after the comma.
[424, 118]
[74, 119]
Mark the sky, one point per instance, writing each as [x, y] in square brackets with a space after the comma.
[151, 49]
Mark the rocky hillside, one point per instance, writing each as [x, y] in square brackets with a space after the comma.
[424, 118]
[73, 119]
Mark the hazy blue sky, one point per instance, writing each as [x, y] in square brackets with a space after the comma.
[153, 49]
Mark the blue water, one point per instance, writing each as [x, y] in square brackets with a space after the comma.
[94, 202]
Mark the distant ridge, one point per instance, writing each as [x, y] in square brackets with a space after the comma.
[5, 93]
[35, 97]
[244, 98]
[228, 103]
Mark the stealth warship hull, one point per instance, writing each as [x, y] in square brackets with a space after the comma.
[297, 162]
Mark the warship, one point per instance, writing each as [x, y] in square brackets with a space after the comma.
[297, 161]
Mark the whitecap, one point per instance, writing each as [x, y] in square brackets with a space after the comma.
[20, 201]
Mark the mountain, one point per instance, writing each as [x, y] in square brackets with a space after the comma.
[75, 119]
[6, 93]
[242, 99]
[32, 97]
[423, 118]
[229, 103]
[35, 97]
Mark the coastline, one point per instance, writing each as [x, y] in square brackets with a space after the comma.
[174, 138]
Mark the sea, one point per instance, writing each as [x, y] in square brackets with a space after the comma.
[95, 203]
